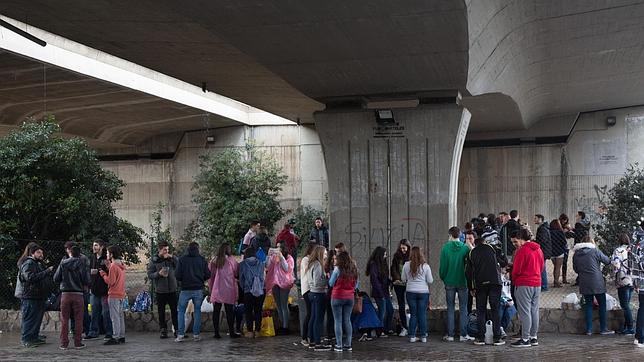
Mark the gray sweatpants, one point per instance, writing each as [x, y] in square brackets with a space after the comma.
[117, 317]
[527, 299]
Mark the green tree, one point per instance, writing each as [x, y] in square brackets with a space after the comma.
[53, 189]
[625, 209]
[233, 187]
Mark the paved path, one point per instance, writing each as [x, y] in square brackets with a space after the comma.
[145, 347]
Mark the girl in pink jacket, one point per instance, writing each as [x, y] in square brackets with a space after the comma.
[279, 280]
[223, 287]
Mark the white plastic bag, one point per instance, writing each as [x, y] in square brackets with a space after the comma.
[611, 302]
[206, 306]
[571, 299]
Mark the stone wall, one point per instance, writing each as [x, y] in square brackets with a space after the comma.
[551, 321]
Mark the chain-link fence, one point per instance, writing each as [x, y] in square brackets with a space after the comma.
[54, 251]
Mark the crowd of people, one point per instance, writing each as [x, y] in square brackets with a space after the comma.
[495, 261]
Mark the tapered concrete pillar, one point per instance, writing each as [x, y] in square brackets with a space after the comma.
[393, 182]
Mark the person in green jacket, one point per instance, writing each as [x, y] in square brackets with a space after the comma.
[452, 272]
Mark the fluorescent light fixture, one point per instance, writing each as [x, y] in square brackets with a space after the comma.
[67, 54]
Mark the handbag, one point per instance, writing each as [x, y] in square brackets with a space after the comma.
[357, 305]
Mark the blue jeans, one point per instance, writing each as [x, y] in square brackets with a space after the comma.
[385, 312]
[601, 299]
[544, 277]
[639, 330]
[507, 312]
[450, 295]
[342, 321]
[624, 295]
[197, 298]
[33, 310]
[100, 310]
[418, 310]
[318, 305]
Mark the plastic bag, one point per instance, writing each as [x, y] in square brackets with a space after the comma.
[268, 328]
[611, 302]
[571, 299]
[206, 306]
[269, 303]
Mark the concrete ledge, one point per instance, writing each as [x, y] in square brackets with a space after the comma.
[550, 321]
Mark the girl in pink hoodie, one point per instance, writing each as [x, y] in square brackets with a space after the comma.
[114, 276]
[224, 271]
[279, 280]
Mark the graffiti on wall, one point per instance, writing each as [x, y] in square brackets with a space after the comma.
[358, 234]
[595, 206]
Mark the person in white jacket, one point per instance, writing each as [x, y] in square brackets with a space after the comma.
[624, 282]
[418, 276]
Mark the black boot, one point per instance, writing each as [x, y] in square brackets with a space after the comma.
[164, 333]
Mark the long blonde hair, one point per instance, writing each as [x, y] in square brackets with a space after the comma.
[316, 255]
[416, 261]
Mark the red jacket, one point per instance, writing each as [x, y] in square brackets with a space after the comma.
[289, 238]
[527, 265]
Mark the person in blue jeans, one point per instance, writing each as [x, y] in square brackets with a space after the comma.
[192, 272]
[452, 272]
[378, 273]
[587, 262]
[639, 330]
[624, 282]
[98, 296]
[418, 276]
[343, 280]
[35, 279]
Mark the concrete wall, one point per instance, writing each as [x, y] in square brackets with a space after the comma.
[389, 184]
[148, 182]
[551, 179]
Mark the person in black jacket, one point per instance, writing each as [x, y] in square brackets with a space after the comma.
[559, 248]
[320, 233]
[192, 271]
[544, 241]
[73, 276]
[261, 241]
[36, 282]
[161, 271]
[510, 224]
[98, 296]
[484, 281]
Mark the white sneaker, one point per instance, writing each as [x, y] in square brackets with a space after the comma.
[466, 338]
[413, 339]
[640, 345]
[503, 333]
[179, 338]
[403, 333]
[423, 339]
[448, 339]
[196, 338]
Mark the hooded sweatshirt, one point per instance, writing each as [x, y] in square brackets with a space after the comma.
[115, 280]
[452, 264]
[192, 270]
[248, 269]
[586, 263]
[73, 275]
[528, 264]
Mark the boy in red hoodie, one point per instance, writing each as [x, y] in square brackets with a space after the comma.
[115, 279]
[526, 277]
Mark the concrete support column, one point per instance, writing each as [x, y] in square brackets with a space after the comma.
[393, 182]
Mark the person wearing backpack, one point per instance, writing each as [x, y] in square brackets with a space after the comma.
[35, 278]
[624, 282]
[192, 271]
[115, 280]
[73, 276]
[484, 282]
[251, 279]
[161, 271]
